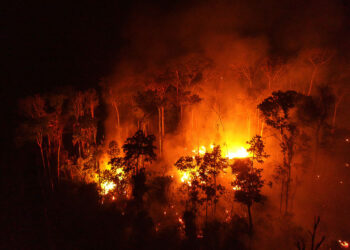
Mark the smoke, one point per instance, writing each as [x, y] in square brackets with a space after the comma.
[231, 42]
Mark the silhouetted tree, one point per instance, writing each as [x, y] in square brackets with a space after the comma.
[248, 183]
[139, 149]
[276, 111]
[257, 149]
[301, 245]
[212, 165]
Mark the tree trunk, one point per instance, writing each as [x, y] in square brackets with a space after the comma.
[312, 80]
[58, 160]
[118, 118]
[163, 129]
[335, 111]
[42, 156]
[160, 130]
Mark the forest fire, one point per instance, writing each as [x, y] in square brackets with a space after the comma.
[212, 130]
[107, 186]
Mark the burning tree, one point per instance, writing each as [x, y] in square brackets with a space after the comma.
[191, 180]
[200, 175]
[212, 165]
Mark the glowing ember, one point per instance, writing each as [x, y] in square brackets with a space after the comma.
[236, 188]
[343, 243]
[181, 221]
[240, 153]
[107, 186]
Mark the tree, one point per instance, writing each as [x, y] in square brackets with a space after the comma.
[272, 70]
[139, 149]
[314, 246]
[317, 58]
[36, 128]
[276, 111]
[159, 84]
[92, 101]
[191, 181]
[200, 178]
[315, 111]
[257, 149]
[248, 183]
[212, 165]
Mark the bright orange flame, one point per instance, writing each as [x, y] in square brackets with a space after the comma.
[240, 153]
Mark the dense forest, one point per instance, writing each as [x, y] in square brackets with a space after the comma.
[208, 133]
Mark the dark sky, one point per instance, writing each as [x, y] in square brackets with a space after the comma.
[67, 42]
[54, 43]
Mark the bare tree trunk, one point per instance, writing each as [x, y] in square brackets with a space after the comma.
[42, 156]
[160, 130]
[118, 118]
[335, 110]
[312, 79]
[163, 129]
[58, 160]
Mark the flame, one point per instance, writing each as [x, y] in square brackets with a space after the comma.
[185, 177]
[343, 243]
[240, 153]
[236, 188]
[107, 186]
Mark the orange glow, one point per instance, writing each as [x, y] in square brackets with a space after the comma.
[343, 243]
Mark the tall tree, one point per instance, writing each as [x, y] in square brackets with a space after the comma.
[212, 165]
[276, 111]
[272, 70]
[315, 111]
[317, 58]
